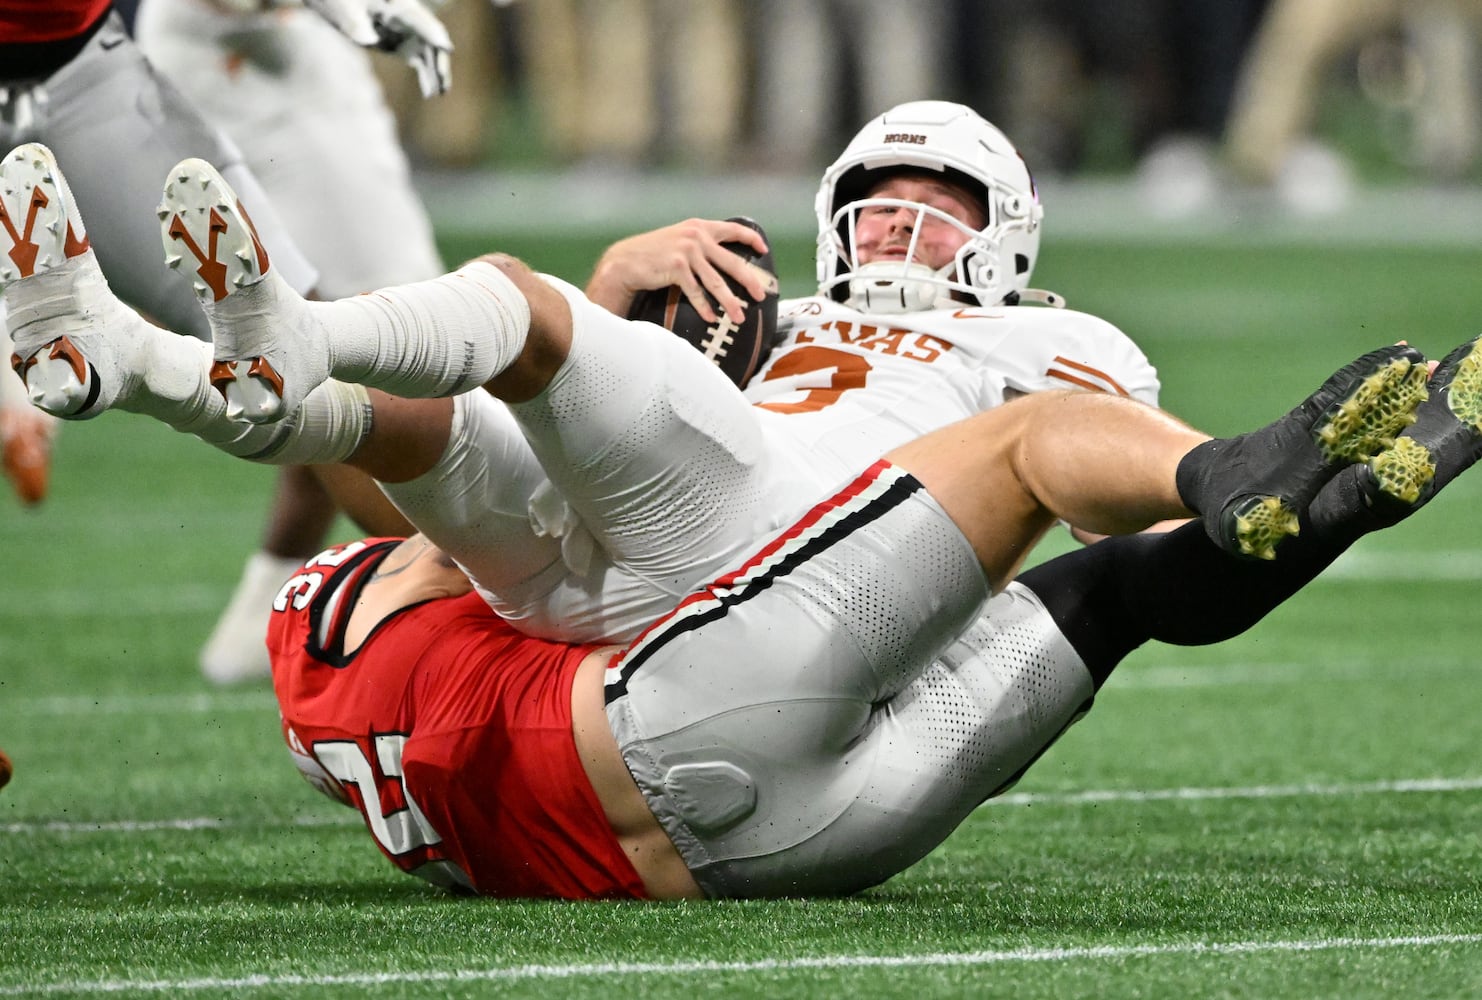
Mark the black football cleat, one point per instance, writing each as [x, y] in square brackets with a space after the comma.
[1251, 490]
[1444, 441]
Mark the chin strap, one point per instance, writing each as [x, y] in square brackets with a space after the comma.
[1036, 295]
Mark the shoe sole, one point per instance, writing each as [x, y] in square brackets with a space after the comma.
[41, 230]
[1354, 429]
[208, 234]
[1404, 471]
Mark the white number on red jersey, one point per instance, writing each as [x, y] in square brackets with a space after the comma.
[399, 831]
[303, 585]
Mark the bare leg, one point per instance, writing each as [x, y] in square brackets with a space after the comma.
[1114, 465]
[1004, 476]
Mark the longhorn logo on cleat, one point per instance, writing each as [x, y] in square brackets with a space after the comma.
[23, 249]
[211, 270]
[61, 349]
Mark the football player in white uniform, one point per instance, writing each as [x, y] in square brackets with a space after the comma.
[306, 108]
[928, 231]
[648, 450]
[641, 565]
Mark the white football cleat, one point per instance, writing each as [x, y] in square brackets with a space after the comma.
[41, 226]
[70, 334]
[269, 353]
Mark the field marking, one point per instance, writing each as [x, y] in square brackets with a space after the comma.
[1086, 797]
[545, 202]
[187, 824]
[1095, 796]
[1264, 674]
[99, 602]
[1114, 953]
[1406, 566]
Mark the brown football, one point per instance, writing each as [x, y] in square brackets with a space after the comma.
[738, 350]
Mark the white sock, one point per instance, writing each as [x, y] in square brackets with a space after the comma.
[326, 429]
[166, 377]
[433, 338]
[439, 337]
[169, 381]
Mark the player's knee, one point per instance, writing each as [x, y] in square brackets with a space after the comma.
[548, 338]
[548, 309]
[512, 268]
[520, 274]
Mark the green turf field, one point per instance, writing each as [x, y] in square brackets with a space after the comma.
[1297, 813]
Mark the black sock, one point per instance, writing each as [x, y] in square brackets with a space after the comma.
[1179, 588]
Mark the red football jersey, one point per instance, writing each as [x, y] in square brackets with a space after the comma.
[449, 731]
[49, 21]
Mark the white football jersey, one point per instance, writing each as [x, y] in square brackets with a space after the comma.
[854, 385]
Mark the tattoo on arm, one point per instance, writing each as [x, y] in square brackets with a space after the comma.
[405, 558]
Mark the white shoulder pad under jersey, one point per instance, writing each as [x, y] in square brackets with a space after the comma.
[857, 385]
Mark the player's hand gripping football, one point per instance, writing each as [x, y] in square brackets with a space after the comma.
[405, 27]
[690, 255]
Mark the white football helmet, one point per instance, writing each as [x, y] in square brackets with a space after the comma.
[994, 264]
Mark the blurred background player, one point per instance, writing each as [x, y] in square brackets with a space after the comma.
[71, 76]
[305, 106]
[26, 435]
[1417, 60]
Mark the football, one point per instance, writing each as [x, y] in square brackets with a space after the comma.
[738, 350]
[7, 769]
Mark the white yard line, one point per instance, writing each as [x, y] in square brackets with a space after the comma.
[1096, 796]
[1406, 566]
[545, 202]
[188, 824]
[93, 602]
[602, 970]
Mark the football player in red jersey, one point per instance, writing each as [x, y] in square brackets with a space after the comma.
[790, 729]
[771, 736]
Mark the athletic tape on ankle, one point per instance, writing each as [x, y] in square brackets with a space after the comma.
[325, 430]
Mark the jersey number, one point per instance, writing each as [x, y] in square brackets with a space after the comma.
[847, 371]
[399, 831]
[302, 586]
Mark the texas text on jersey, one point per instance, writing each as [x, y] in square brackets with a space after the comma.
[927, 369]
[451, 733]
